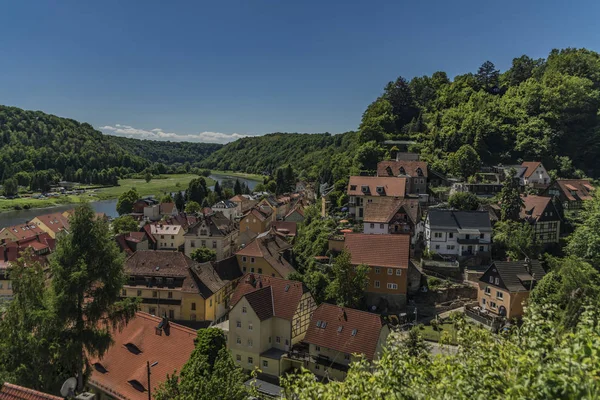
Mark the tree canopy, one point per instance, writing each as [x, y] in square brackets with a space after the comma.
[126, 201]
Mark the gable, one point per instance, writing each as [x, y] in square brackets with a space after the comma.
[492, 277]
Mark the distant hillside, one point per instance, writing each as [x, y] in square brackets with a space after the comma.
[168, 153]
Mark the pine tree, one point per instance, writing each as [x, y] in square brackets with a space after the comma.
[237, 188]
[511, 202]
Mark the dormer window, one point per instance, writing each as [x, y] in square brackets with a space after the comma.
[402, 171]
[354, 332]
[364, 188]
[388, 169]
[380, 190]
[419, 172]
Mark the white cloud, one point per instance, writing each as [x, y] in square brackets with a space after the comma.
[159, 134]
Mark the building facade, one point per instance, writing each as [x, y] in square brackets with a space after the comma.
[215, 232]
[168, 237]
[542, 214]
[369, 189]
[458, 233]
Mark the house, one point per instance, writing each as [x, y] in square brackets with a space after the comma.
[494, 210]
[369, 189]
[393, 215]
[280, 205]
[267, 255]
[141, 204]
[258, 219]
[335, 334]
[295, 215]
[146, 342]
[8, 391]
[243, 203]
[415, 171]
[228, 208]
[286, 228]
[22, 231]
[506, 285]
[388, 259]
[571, 193]
[168, 210]
[216, 232]
[168, 237]
[535, 174]
[482, 187]
[543, 215]
[268, 316]
[458, 233]
[52, 224]
[132, 241]
[171, 284]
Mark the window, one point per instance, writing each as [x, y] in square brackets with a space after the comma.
[169, 281]
[480, 248]
[483, 302]
[260, 270]
[497, 280]
[214, 244]
[171, 314]
[244, 268]
[488, 291]
[139, 293]
[390, 271]
[249, 342]
[170, 295]
[269, 339]
[172, 237]
[171, 244]
[277, 339]
[450, 235]
[499, 295]
[250, 360]
[377, 284]
[437, 234]
[392, 286]
[192, 244]
[204, 243]
[124, 292]
[437, 246]
[318, 348]
[317, 367]
[238, 358]
[491, 279]
[372, 226]
[193, 306]
[265, 364]
[210, 303]
[252, 269]
[377, 270]
[398, 272]
[380, 226]
[159, 281]
[492, 304]
[154, 293]
[481, 236]
[152, 310]
[162, 236]
[252, 260]
[244, 310]
[250, 326]
[347, 357]
[238, 324]
[354, 332]
[550, 213]
[238, 340]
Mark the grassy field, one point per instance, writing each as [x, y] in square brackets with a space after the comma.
[157, 187]
[254, 177]
[432, 335]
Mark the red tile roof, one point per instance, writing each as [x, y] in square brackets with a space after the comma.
[23, 231]
[582, 187]
[282, 302]
[530, 167]
[392, 186]
[534, 206]
[158, 263]
[166, 208]
[56, 222]
[340, 324]
[385, 208]
[384, 168]
[378, 250]
[270, 246]
[288, 228]
[121, 371]
[14, 392]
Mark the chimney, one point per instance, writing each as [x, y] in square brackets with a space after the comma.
[527, 265]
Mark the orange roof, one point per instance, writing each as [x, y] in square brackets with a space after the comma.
[340, 324]
[55, 222]
[391, 186]
[402, 167]
[237, 198]
[378, 250]
[166, 208]
[530, 167]
[534, 207]
[384, 209]
[582, 187]
[24, 231]
[122, 371]
[14, 392]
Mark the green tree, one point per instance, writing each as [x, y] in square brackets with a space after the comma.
[167, 198]
[126, 201]
[10, 187]
[179, 200]
[197, 190]
[464, 201]
[464, 162]
[584, 242]
[368, 155]
[87, 277]
[217, 190]
[205, 173]
[377, 120]
[516, 240]
[148, 177]
[192, 207]
[511, 202]
[290, 178]
[487, 75]
[349, 282]
[237, 187]
[124, 224]
[210, 373]
[272, 186]
[399, 95]
[203, 255]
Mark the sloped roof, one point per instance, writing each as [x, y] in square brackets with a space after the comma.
[341, 322]
[534, 206]
[23, 231]
[530, 167]
[261, 301]
[158, 263]
[297, 209]
[166, 208]
[171, 350]
[513, 272]
[411, 168]
[378, 250]
[216, 224]
[283, 302]
[162, 229]
[288, 228]
[211, 277]
[454, 219]
[392, 186]
[270, 246]
[385, 208]
[583, 188]
[56, 222]
[14, 392]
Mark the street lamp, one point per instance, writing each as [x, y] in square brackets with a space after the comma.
[150, 386]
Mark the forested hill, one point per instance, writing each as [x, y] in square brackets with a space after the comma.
[539, 109]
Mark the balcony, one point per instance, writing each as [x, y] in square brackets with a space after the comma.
[484, 317]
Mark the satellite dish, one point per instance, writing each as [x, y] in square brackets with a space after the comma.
[68, 388]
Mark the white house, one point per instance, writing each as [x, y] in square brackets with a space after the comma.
[458, 233]
[228, 208]
[535, 174]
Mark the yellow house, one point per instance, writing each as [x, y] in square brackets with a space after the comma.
[18, 232]
[268, 316]
[168, 237]
[506, 285]
[52, 224]
[257, 220]
[337, 335]
[266, 255]
[173, 285]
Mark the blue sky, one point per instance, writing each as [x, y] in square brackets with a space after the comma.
[214, 71]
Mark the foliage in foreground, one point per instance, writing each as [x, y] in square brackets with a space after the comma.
[535, 361]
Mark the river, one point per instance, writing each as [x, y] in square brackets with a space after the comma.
[108, 207]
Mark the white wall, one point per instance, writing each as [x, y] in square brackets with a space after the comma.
[374, 228]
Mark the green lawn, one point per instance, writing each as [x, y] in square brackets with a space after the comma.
[430, 334]
[254, 177]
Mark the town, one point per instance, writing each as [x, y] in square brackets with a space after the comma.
[409, 249]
